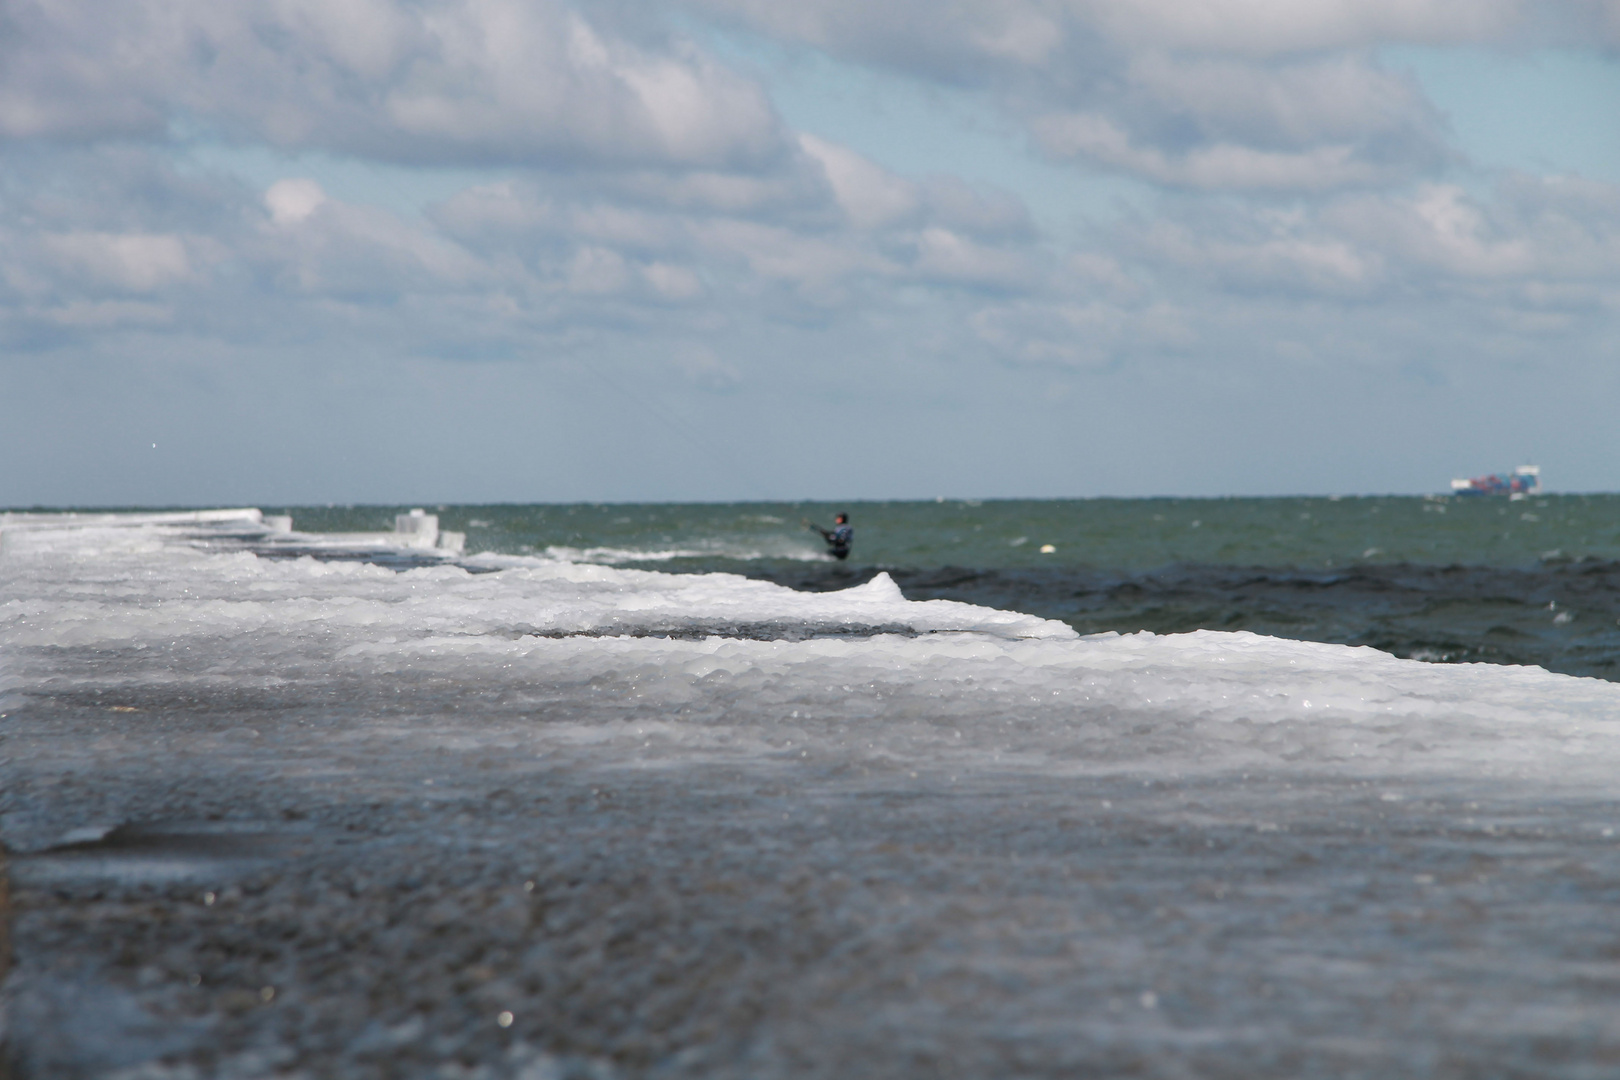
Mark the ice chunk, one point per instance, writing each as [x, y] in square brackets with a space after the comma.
[417, 528]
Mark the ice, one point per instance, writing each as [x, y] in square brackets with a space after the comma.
[649, 667]
[702, 825]
[1179, 704]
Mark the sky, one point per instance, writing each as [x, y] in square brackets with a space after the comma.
[285, 252]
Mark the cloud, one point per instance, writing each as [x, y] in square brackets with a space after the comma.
[983, 212]
[927, 36]
[827, 223]
[598, 271]
[945, 256]
[131, 262]
[1222, 124]
[1229, 95]
[869, 195]
[673, 283]
[436, 81]
[952, 39]
[1533, 245]
[1264, 28]
[292, 201]
[319, 246]
[641, 201]
[1221, 166]
[1239, 95]
[1274, 260]
[105, 242]
[127, 246]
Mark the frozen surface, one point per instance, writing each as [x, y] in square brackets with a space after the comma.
[300, 817]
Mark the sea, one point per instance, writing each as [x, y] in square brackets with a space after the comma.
[1215, 788]
[1442, 579]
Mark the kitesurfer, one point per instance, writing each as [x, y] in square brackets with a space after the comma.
[838, 538]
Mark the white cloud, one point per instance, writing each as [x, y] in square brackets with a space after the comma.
[598, 271]
[439, 80]
[815, 263]
[643, 195]
[1532, 245]
[503, 80]
[922, 34]
[360, 253]
[1286, 27]
[788, 189]
[870, 195]
[982, 212]
[1313, 125]
[946, 256]
[1218, 166]
[1280, 95]
[1452, 233]
[828, 221]
[1230, 94]
[1533, 233]
[1064, 333]
[291, 201]
[495, 210]
[136, 262]
[1341, 96]
[671, 282]
[1277, 260]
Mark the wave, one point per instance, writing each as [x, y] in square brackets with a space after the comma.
[616, 556]
[1560, 615]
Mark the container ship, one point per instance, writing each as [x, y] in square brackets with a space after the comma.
[1518, 484]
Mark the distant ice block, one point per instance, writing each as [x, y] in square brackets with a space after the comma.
[76, 520]
[89, 535]
[418, 529]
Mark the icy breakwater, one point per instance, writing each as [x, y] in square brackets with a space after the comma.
[517, 817]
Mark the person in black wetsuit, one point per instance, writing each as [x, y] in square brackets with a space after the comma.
[839, 537]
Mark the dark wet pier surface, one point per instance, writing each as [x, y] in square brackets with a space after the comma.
[407, 877]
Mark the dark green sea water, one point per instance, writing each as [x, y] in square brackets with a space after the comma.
[1535, 581]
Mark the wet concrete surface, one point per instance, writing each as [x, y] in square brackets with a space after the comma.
[290, 892]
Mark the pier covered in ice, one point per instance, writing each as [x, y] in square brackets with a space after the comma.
[276, 813]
